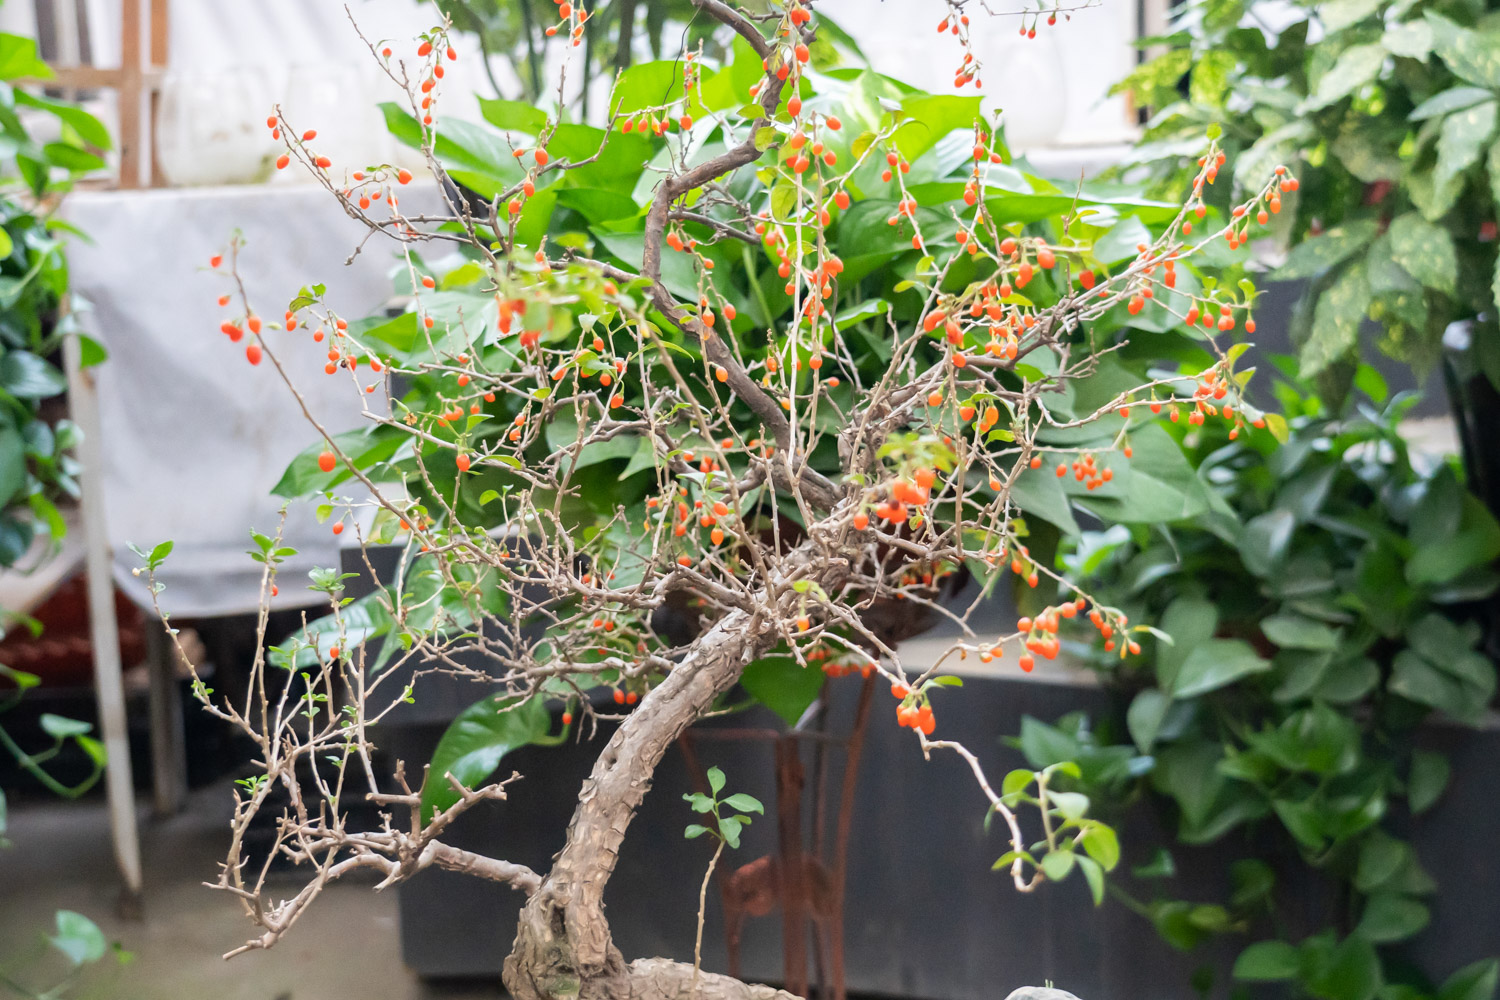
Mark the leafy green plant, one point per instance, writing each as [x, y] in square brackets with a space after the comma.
[35, 467]
[1319, 612]
[1387, 112]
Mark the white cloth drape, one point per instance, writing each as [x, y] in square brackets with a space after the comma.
[194, 438]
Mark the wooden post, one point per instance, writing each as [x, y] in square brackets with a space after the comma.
[104, 631]
[168, 743]
[131, 175]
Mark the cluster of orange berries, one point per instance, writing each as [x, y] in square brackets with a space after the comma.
[540, 158]
[1086, 470]
[1239, 232]
[840, 666]
[707, 514]
[915, 711]
[789, 60]
[374, 185]
[274, 124]
[572, 14]
[903, 493]
[430, 85]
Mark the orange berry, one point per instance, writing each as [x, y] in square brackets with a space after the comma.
[326, 461]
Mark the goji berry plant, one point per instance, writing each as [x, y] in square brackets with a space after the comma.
[1321, 612]
[691, 399]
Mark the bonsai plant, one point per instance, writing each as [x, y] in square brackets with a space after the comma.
[772, 348]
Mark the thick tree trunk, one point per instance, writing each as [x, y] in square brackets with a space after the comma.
[563, 948]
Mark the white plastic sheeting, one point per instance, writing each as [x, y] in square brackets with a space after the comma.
[194, 437]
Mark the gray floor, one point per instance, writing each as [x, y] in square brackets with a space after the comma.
[59, 858]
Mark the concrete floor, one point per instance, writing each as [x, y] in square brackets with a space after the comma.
[59, 858]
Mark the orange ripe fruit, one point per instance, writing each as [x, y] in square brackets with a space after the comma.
[403, 176]
[282, 161]
[338, 528]
[794, 106]
[463, 463]
[326, 461]
[252, 353]
[935, 398]
[215, 260]
[861, 521]
[684, 560]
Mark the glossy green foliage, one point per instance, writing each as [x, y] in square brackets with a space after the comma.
[1387, 112]
[1319, 612]
[34, 465]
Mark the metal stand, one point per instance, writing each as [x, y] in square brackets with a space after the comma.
[798, 878]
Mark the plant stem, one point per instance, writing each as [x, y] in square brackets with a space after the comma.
[702, 905]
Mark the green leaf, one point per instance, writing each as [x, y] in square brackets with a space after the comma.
[1412, 39]
[1071, 805]
[1355, 67]
[1267, 961]
[694, 830]
[730, 828]
[18, 59]
[366, 447]
[1191, 622]
[77, 937]
[1102, 845]
[1427, 779]
[1473, 982]
[1263, 543]
[1452, 99]
[1156, 484]
[1093, 874]
[1472, 55]
[1016, 781]
[1295, 632]
[930, 117]
[1462, 140]
[476, 741]
[1210, 80]
[1336, 319]
[61, 728]
[1474, 542]
[1337, 15]
[1417, 680]
[745, 803]
[1389, 917]
[716, 780]
[1215, 663]
[1348, 971]
[1058, 864]
[1148, 709]
[89, 128]
[1313, 256]
[27, 376]
[513, 115]
[782, 685]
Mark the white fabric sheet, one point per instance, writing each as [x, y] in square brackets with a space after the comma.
[194, 437]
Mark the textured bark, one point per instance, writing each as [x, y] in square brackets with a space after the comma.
[563, 946]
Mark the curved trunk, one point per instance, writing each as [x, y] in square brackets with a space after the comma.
[563, 946]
